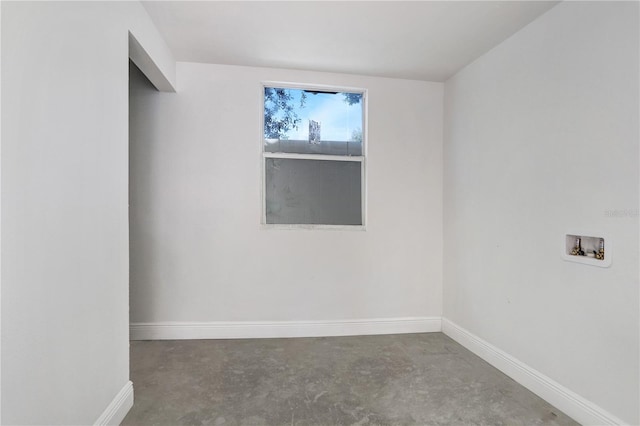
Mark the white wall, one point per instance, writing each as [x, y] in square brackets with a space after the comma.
[199, 253]
[541, 138]
[64, 206]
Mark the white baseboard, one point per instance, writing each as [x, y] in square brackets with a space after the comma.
[118, 408]
[572, 404]
[277, 329]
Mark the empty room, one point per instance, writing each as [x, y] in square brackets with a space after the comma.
[320, 213]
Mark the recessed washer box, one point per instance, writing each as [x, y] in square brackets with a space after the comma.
[589, 243]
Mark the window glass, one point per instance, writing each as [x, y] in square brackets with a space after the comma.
[312, 122]
[301, 191]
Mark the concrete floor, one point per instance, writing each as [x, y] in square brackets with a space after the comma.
[408, 379]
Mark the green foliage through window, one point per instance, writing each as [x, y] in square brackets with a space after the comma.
[288, 113]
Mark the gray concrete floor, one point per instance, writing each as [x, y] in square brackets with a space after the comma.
[407, 379]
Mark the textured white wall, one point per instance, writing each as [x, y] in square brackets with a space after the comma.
[198, 250]
[541, 138]
[65, 350]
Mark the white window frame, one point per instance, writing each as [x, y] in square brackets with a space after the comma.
[362, 159]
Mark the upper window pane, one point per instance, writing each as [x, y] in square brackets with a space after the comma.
[312, 122]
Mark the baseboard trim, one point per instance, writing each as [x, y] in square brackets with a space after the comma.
[118, 408]
[572, 404]
[278, 329]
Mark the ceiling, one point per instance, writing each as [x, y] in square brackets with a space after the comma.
[422, 40]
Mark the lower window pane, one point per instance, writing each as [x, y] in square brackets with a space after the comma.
[313, 192]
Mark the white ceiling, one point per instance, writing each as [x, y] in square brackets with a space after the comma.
[423, 40]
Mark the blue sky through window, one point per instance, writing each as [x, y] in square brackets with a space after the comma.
[339, 121]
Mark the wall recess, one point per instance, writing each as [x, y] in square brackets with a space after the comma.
[587, 249]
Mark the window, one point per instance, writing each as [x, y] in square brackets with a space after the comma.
[313, 157]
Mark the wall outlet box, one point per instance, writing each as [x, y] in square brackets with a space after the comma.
[590, 244]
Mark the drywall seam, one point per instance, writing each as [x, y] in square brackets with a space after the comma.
[569, 402]
[279, 329]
